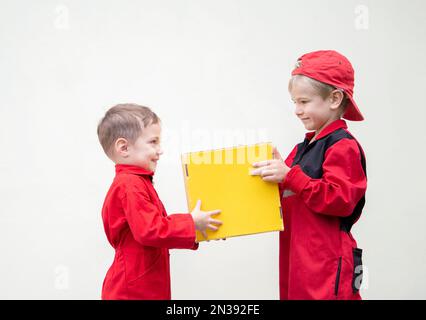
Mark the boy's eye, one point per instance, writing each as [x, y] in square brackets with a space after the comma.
[301, 101]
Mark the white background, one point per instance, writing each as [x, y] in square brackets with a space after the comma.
[216, 72]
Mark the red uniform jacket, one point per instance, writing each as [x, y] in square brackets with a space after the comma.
[322, 197]
[137, 226]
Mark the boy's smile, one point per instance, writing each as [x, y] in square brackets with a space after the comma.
[146, 150]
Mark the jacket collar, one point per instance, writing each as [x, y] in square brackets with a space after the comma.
[127, 168]
[335, 125]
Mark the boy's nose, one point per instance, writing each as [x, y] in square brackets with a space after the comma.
[298, 111]
[160, 151]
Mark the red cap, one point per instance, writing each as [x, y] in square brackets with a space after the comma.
[332, 68]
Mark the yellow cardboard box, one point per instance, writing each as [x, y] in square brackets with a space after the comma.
[221, 180]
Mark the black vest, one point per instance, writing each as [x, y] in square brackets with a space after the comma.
[310, 158]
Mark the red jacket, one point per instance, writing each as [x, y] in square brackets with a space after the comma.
[138, 228]
[322, 197]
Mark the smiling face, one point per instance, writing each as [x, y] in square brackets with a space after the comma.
[315, 111]
[144, 152]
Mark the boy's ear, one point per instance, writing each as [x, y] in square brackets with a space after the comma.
[121, 147]
[336, 97]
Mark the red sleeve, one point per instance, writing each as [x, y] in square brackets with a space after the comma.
[150, 227]
[343, 183]
[288, 162]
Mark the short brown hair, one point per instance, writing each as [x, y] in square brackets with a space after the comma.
[126, 121]
[323, 89]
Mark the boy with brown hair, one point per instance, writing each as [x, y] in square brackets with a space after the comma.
[135, 220]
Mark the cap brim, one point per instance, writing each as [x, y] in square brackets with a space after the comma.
[352, 112]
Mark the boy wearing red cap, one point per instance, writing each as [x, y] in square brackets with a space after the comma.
[135, 220]
[322, 183]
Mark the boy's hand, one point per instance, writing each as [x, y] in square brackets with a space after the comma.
[271, 170]
[203, 219]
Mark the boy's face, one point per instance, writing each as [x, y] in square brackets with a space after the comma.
[146, 150]
[313, 110]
